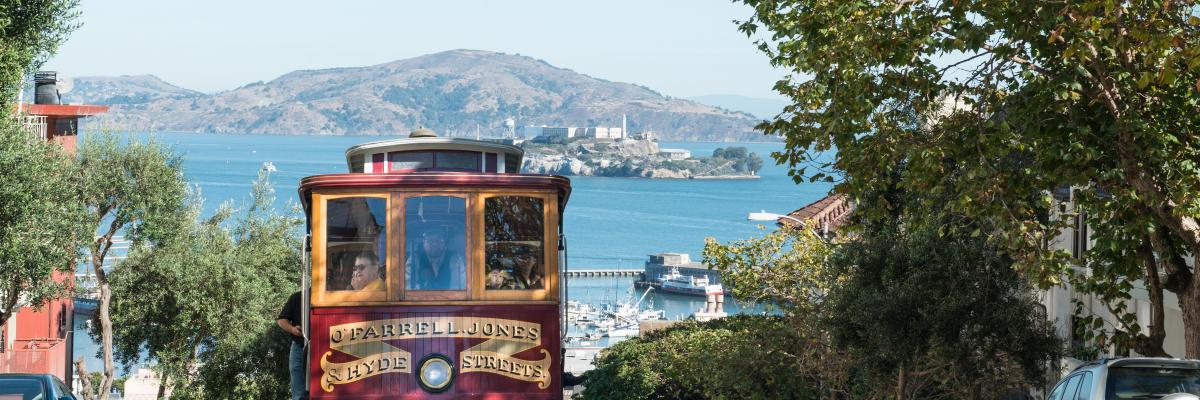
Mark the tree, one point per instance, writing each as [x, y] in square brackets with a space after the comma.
[936, 316]
[30, 32]
[136, 189]
[1017, 99]
[211, 298]
[40, 219]
[739, 357]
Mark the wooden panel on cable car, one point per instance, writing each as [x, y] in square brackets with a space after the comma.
[497, 351]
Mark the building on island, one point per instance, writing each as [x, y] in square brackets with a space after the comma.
[675, 154]
[571, 132]
[39, 340]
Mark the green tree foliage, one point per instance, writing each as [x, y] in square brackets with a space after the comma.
[41, 219]
[922, 314]
[741, 158]
[787, 267]
[936, 316]
[136, 189]
[30, 32]
[212, 296]
[1009, 100]
[740, 357]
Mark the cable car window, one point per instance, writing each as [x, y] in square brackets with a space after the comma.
[355, 245]
[458, 160]
[411, 160]
[436, 246]
[514, 228]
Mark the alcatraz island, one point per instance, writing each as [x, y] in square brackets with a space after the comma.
[639, 157]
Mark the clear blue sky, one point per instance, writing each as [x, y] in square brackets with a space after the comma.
[681, 48]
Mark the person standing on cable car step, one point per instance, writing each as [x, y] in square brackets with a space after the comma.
[289, 320]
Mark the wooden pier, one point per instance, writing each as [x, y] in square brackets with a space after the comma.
[589, 272]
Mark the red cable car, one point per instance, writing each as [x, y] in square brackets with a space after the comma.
[434, 273]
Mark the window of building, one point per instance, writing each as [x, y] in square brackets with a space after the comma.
[512, 163]
[435, 243]
[460, 160]
[411, 160]
[514, 232]
[355, 244]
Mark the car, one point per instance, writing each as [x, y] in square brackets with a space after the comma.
[33, 387]
[1131, 378]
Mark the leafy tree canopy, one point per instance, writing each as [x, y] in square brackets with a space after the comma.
[1006, 101]
[740, 357]
[42, 221]
[212, 295]
[30, 32]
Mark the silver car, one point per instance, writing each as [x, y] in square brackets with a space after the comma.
[1131, 378]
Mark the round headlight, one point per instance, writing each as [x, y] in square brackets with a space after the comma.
[435, 373]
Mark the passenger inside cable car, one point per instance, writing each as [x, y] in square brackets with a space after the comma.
[437, 226]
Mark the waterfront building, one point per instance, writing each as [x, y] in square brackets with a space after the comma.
[661, 264]
[39, 340]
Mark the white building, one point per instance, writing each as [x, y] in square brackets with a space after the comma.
[142, 385]
[675, 154]
[1060, 300]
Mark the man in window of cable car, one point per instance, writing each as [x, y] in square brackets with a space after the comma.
[368, 274]
[434, 267]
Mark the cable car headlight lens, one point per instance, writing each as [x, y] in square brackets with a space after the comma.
[436, 373]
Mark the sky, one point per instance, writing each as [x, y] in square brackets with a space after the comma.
[681, 48]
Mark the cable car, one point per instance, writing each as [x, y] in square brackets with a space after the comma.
[433, 272]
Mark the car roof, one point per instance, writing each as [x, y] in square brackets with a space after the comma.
[1141, 362]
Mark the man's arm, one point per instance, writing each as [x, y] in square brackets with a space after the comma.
[288, 327]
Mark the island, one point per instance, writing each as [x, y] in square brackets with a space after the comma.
[641, 158]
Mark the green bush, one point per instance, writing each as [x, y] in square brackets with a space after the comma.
[739, 357]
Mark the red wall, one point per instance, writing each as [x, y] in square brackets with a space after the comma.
[466, 385]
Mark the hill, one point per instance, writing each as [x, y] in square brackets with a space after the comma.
[456, 92]
[125, 89]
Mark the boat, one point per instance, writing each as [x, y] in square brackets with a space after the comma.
[268, 166]
[623, 331]
[674, 282]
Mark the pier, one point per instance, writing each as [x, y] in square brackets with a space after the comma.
[588, 272]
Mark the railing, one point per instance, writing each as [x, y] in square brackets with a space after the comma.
[35, 124]
[34, 356]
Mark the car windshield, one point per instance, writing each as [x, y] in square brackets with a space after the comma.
[1150, 383]
[20, 389]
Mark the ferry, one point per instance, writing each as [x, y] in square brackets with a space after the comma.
[675, 282]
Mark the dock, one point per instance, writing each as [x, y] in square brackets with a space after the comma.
[590, 272]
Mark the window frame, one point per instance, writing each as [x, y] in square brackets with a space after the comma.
[549, 291]
[323, 297]
[401, 197]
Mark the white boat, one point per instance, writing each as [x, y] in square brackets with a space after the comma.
[624, 331]
[675, 282]
[268, 166]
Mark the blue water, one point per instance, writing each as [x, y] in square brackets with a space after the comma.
[609, 222]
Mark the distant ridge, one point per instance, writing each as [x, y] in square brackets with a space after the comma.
[761, 108]
[457, 92]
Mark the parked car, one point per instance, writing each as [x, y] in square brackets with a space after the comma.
[33, 387]
[1131, 378]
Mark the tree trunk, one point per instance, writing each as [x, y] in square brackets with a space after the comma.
[1151, 345]
[1189, 303]
[84, 379]
[901, 382]
[162, 385]
[105, 336]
